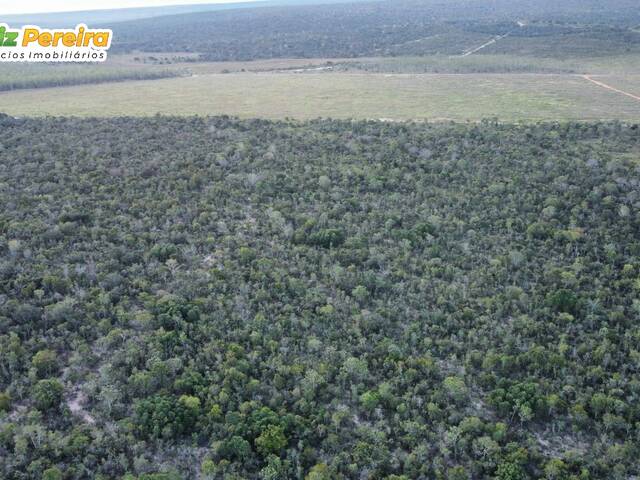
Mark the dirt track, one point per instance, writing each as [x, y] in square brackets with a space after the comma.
[609, 87]
[485, 45]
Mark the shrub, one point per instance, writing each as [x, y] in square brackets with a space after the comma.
[47, 394]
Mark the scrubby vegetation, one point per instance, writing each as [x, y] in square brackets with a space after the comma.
[322, 300]
[541, 28]
[18, 76]
[458, 64]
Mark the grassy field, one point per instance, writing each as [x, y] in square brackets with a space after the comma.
[396, 97]
[627, 83]
[145, 66]
[478, 63]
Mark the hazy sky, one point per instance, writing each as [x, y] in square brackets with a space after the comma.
[41, 6]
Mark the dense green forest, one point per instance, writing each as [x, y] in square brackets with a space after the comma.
[548, 28]
[216, 298]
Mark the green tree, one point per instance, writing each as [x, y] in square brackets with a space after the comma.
[369, 400]
[52, 473]
[271, 440]
[457, 473]
[47, 394]
[556, 469]
[45, 362]
[208, 468]
[455, 388]
[5, 402]
[319, 472]
[510, 471]
[236, 448]
[165, 416]
[360, 293]
[274, 470]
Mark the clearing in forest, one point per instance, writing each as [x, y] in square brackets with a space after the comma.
[510, 97]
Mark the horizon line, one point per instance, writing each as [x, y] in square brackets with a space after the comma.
[159, 5]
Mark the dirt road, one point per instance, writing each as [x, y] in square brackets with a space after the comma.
[609, 87]
[485, 45]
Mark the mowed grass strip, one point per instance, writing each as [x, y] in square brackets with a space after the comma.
[428, 97]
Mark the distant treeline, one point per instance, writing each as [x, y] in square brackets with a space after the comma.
[17, 77]
[403, 27]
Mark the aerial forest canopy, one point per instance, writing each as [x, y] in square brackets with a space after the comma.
[216, 298]
[545, 28]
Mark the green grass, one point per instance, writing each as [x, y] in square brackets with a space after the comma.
[137, 67]
[303, 96]
[627, 83]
